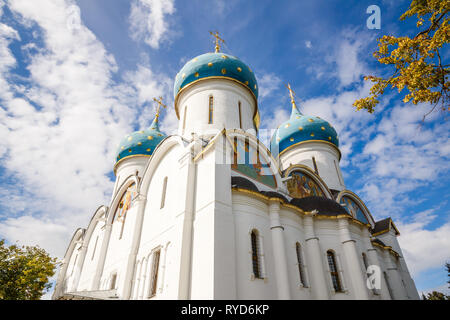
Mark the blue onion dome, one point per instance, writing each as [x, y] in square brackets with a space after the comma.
[213, 65]
[140, 143]
[301, 128]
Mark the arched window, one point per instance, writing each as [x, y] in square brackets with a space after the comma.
[184, 119]
[211, 110]
[334, 271]
[256, 255]
[353, 209]
[240, 115]
[154, 273]
[163, 194]
[301, 267]
[113, 281]
[302, 185]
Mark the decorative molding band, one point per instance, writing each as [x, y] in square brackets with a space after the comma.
[275, 227]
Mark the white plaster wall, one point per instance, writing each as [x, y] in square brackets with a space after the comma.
[193, 104]
[252, 214]
[118, 250]
[92, 258]
[293, 233]
[70, 273]
[326, 156]
[162, 227]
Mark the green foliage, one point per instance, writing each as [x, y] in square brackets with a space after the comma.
[417, 63]
[447, 266]
[24, 272]
[435, 295]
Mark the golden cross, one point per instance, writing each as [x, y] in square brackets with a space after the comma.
[217, 41]
[160, 104]
[292, 95]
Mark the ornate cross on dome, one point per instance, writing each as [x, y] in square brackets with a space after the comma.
[217, 40]
[160, 104]
[292, 95]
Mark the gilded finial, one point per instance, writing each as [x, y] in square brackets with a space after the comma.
[158, 108]
[217, 40]
[292, 95]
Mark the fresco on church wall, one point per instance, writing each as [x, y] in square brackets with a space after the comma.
[353, 209]
[248, 162]
[302, 186]
[125, 202]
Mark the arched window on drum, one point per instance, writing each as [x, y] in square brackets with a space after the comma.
[353, 209]
[302, 185]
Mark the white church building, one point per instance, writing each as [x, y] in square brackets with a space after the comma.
[212, 213]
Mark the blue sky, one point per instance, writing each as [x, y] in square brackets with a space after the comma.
[76, 76]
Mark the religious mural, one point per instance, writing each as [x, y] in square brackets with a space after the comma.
[302, 186]
[353, 209]
[125, 202]
[248, 161]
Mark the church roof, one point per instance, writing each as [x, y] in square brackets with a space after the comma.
[215, 65]
[384, 226]
[272, 194]
[324, 206]
[243, 183]
[141, 143]
[302, 128]
[381, 243]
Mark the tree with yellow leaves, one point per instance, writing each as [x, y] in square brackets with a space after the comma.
[418, 63]
[24, 272]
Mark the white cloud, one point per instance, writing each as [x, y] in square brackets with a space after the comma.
[268, 83]
[308, 44]
[148, 20]
[423, 248]
[60, 128]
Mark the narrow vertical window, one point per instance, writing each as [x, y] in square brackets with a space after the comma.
[315, 165]
[255, 255]
[163, 194]
[334, 271]
[247, 151]
[211, 110]
[154, 273]
[184, 119]
[240, 115]
[113, 281]
[366, 264]
[95, 248]
[235, 153]
[301, 268]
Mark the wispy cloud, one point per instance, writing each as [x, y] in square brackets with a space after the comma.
[148, 20]
[268, 83]
[423, 248]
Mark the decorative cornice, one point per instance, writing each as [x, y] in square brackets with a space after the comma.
[213, 78]
[128, 157]
[310, 141]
